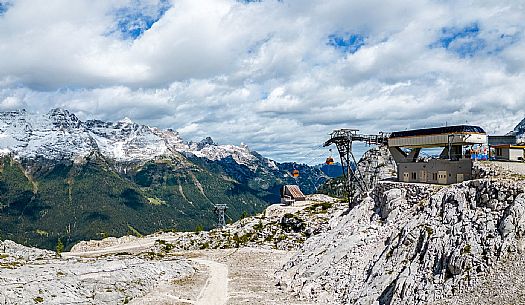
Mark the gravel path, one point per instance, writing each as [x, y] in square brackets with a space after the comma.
[215, 291]
[251, 275]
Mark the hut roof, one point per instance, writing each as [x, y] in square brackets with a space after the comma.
[293, 190]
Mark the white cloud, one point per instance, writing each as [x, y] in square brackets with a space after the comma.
[264, 73]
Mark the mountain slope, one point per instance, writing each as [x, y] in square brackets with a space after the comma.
[73, 180]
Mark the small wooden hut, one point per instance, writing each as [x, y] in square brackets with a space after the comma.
[290, 194]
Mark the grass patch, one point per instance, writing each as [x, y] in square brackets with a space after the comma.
[42, 233]
[156, 201]
[10, 265]
[429, 230]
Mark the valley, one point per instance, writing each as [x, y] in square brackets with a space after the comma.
[69, 180]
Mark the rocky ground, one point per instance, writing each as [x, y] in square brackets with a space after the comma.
[503, 284]
[501, 169]
[251, 275]
[30, 276]
[280, 227]
[417, 244]
[231, 265]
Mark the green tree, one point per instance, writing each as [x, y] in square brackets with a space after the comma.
[244, 214]
[59, 247]
[199, 228]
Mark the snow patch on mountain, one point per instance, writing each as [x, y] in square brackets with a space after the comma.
[519, 131]
[210, 150]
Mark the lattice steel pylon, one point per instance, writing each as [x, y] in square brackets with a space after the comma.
[220, 211]
[343, 139]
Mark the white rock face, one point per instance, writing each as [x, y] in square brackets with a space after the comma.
[411, 244]
[377, 164]
[32, 276]
[59, 134]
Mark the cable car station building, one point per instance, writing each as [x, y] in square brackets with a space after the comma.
[452, 166]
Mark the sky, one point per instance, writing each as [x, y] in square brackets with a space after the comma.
[278, 76]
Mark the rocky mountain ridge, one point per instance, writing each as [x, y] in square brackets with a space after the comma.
[279, 227]
[519, 132]
[59, 134]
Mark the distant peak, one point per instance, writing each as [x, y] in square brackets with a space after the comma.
[63, 117]
[207, 141]
[520, 128]
[58, 111]
[126, 120]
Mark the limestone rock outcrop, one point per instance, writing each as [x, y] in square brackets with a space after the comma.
[32, 276]
[411, 244]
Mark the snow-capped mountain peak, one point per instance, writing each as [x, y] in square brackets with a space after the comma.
[126, 120]
[59, 134]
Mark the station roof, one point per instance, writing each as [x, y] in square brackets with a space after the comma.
[458, 129]
[509, 146]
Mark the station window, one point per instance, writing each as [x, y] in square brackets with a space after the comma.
[434, 176]
[414, 176]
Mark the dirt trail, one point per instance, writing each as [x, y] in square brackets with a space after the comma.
[215, 291]
[229, 276]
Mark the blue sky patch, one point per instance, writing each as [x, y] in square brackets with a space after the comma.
[4, 6]
[347, 43]
[465, 41]
[133, 21]
[448, 35]
[468, 41]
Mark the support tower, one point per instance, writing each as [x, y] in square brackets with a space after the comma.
[343, 139]
[220, 211]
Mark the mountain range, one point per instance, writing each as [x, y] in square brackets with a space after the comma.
[519, 132]
[63, 178]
